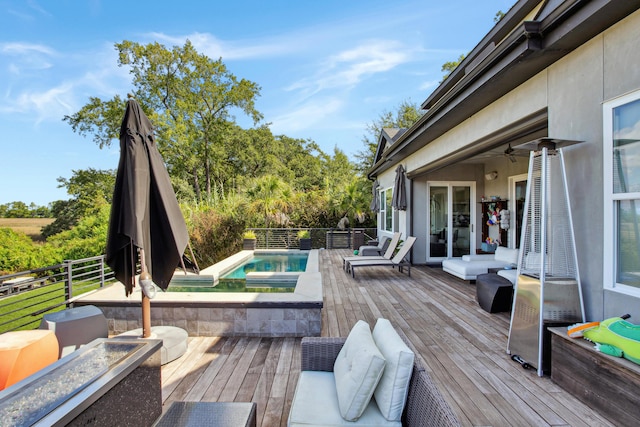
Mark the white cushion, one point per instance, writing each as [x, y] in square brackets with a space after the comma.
[357, 370]
[507, 255]
[391, 392]
[315, 403]
[510, 275]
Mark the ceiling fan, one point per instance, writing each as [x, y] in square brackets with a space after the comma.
[508, 153]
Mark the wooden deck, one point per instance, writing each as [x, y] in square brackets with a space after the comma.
[463, 347]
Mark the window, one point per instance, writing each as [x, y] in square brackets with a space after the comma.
[622, 194]
[386, 211]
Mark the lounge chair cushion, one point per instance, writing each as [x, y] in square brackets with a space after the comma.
[469, 266]
[316, 404]
[391, 392]
[357, 369]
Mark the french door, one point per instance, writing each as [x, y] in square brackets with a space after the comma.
[450, 219]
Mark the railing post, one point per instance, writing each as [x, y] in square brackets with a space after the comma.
[68, 291]
[102, 271]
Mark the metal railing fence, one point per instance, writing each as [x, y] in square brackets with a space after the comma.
[26, 296]
[328, 238]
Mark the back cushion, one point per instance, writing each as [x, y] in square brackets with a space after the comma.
[357, 370]
[510, 256]
[391, 392]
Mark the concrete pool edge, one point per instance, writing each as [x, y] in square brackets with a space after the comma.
[293, 314]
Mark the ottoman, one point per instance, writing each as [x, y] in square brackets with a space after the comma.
[76, 327]
[494, 293]
[23, 353]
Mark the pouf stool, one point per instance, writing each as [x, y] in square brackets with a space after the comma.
[494, 293]
[76, 326]
[23, 353]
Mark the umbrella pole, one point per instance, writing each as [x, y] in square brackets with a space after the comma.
[146, 301]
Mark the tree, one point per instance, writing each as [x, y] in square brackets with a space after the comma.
[187, 96]
[448, 67]
[90, 189]
[406, 114]
[269, 198]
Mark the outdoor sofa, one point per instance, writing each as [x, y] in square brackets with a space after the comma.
[470, 266]
[317, 401]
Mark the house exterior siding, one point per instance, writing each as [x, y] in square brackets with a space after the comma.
[571, 91]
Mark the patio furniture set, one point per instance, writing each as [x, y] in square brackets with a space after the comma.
[368, 378]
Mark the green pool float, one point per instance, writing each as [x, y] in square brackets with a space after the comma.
[616, 337]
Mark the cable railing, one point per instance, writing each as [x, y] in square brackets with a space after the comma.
[26, 296]
[328, 238]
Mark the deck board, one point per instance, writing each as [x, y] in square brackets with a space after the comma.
[462, 346]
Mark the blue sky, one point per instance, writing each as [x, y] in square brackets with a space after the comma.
[326, 68]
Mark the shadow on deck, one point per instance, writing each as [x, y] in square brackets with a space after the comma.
[462, 346]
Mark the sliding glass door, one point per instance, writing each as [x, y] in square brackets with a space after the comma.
[450, 219]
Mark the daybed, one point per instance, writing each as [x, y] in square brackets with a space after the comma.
[469, 266]
[317, 401]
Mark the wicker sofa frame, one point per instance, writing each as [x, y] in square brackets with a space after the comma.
[425, 405]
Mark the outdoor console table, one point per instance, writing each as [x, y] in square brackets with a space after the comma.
[196, 414]
[109, 382]
[605, 383]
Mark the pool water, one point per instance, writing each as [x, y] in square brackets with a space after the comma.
[236, 280]
[269, 263]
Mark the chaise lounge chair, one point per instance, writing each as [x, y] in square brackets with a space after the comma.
[379, 249]
[387, 255]
[397, 261]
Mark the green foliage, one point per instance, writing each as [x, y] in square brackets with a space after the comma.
[406, 115]
[214, 236]
[21, 210]
[448, 67]
[249, 234]
[90, 188]
[87, 239]
[19, 253]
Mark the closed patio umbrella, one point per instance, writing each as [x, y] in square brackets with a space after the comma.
[399, 200]
[375, 200]
[146, 223]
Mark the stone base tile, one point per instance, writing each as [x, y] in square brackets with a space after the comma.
[204, 321]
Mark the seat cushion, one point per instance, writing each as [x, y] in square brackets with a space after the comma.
[315, 403]
[358, 369]
[468, 270]
[391, 392]
[511, 275]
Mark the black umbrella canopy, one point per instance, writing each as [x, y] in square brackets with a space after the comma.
[375, 198]
[145, 213]
[399, 200]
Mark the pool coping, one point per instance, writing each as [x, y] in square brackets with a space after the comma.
[296, 313]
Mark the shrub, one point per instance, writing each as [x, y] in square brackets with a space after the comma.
[214, 236]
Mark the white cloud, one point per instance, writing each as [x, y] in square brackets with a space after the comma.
[25, 48]
[350, 67]
[305, 115]
[431, 84]
[631, 132]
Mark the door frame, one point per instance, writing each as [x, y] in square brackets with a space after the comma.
[472, 216]
[512, 206]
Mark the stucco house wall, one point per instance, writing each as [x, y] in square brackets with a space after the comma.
[572, 90]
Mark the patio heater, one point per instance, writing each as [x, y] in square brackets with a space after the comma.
[548, 291]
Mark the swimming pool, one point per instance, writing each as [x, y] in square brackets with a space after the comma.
[269, 263]
[267, 314]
